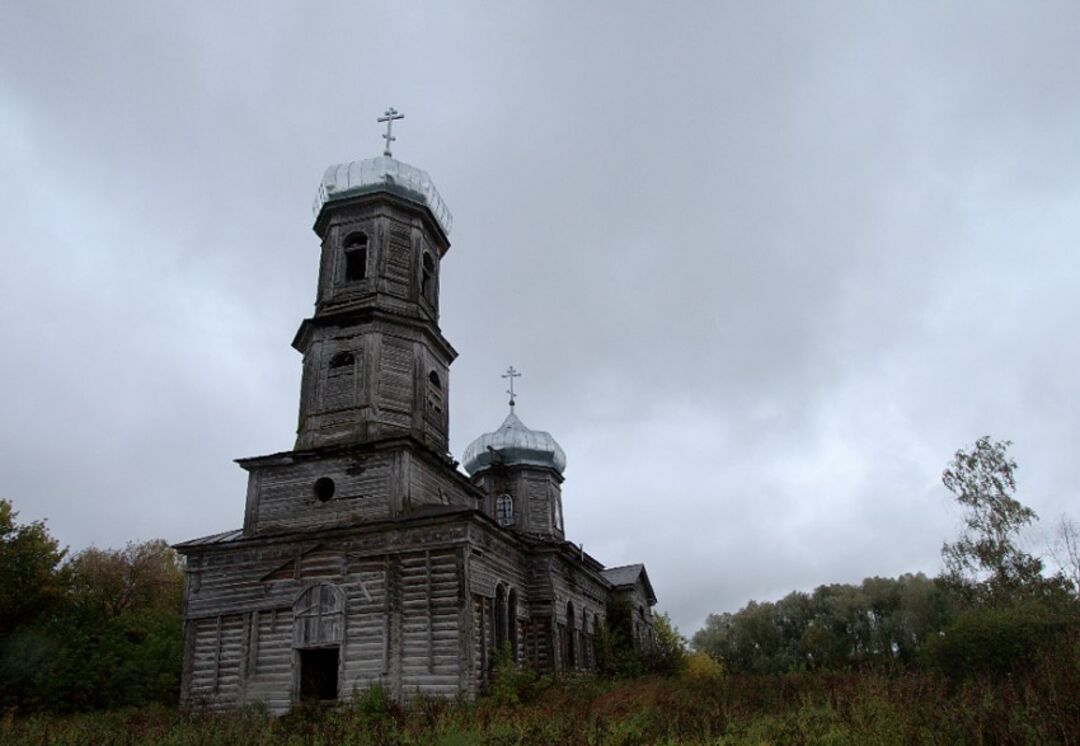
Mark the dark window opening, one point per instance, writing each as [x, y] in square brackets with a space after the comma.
[427, 276]
[569, 647]
[355, 257]
[341, 360]
[434, 378]
[319, 675]
[500, 618]
[324, 489]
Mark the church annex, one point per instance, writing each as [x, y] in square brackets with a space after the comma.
[366, 557]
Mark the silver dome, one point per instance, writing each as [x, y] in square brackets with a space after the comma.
[382, 173]
[514, 444]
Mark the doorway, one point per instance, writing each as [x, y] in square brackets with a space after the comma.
[319, 674]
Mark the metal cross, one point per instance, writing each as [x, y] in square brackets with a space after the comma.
[511, 374]
[389, 117]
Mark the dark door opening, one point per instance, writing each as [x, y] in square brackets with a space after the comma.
[319, 674]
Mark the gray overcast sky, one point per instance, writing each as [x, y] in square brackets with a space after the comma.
[765, 266]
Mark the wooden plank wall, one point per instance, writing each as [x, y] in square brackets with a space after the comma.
[285, 498]
[430, 485]
[404, 625]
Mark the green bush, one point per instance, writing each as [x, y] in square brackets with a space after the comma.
[996, 641]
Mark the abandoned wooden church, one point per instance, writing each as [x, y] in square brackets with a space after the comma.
[365, 556]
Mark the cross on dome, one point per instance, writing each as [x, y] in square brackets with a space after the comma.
[511, 374]
[389, 116]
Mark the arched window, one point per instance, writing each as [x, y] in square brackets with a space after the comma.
[340, 382]
[355, 245]
[588, 649]
[511, 618]
[427, 277]
[500, 617]
[568, 645]
[504, 510]
[319, 617]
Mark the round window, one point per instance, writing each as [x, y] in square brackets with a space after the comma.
[324, 489]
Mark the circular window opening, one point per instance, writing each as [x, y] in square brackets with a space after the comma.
[324, 489]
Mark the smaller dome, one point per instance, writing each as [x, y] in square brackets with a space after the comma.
[514, 444]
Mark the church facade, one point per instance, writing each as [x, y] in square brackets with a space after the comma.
[366, 557]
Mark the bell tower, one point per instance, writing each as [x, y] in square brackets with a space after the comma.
[376, 364]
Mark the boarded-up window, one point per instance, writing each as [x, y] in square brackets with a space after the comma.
[319, 617]
[340, 382]
[434, 396]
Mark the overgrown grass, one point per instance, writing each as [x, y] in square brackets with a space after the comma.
[1040, 707]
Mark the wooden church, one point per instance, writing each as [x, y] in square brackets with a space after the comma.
[366, 557]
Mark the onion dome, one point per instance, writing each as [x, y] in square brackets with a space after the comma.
[514, 444]
[383, 174]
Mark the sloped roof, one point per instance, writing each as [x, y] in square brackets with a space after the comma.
[626, 576]
[223, 538]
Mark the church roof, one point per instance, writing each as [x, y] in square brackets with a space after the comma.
[383, 174]
[514, 444]
[627, 575]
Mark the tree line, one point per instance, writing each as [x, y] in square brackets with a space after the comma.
[993, 609]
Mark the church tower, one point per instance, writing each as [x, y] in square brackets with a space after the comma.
[372, 438]
[376, 364]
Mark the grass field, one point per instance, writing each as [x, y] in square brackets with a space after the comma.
[1041, 707]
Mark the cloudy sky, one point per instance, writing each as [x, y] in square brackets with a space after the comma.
[765, 266]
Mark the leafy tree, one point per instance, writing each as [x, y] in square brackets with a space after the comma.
[120, 640]
[109, 582]
[30, 583]
[985, 560]
[986, 565]
[112, 636]
[666, 654]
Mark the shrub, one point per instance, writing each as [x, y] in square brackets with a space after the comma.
[995, 641]
[702, 668]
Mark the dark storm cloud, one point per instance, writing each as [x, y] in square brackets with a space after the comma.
[764, 266]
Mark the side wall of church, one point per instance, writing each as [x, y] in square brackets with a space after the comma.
[402, 620]
[580, 605]
[637, 598]
[500, 600]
